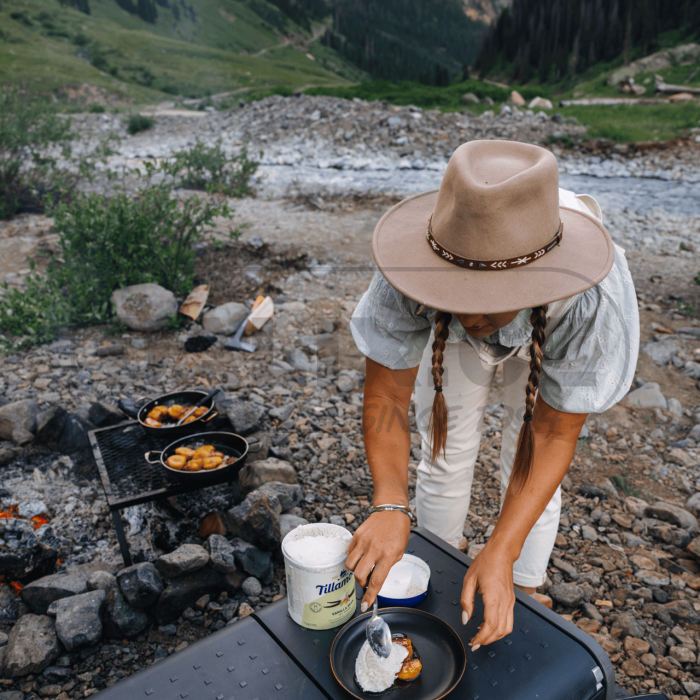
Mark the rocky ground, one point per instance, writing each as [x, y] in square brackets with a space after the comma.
[625, 569]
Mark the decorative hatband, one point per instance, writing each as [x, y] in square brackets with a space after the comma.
[492, 264]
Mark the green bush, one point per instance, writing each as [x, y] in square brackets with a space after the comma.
[107, 243]
[210, 169]
[138, 122]
[94, 108]
[27, 177]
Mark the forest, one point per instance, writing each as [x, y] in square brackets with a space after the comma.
[548, 40]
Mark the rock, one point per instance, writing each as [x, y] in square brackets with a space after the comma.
[590, 611]
[184, 591]
[647, 396]
[141, 584]
[588, 625]
[635, 646]
[244, 610]
[289, 523]
[682, 611]
[12, 695]
[245, 416]
[253, 560]
[487, 101]
[636, 506]
[18, 421]
[588, 533]
[673, 514]
[103, 415]
[144, 307]
[256, 519]
[649, 660]
[610, 645]
[32, 646]
[224, 319]
[470, 98]
[693, 503]
[543, 599]
[694, 548]
[516, 98]
[661, 352]
[28, 553]
[3, 639]
[50, 425]
[255, 474]
[101, 580]
[633, 668]
[281, 413]
[251, 586]
[652, 578]
[679, 456]
[184, 560]
[567, 568]
[568, 594]
[228, 611]
[109, 349]
[39, 594]
[675, 407]
[628, 624]
[221, 554]
[120, 619]
[297, 359]
[79, 619]
[541, 102]
[682, 654]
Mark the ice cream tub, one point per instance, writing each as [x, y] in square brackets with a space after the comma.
[320, 588]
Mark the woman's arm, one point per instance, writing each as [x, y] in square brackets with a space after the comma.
[381, 540]
[491, 572]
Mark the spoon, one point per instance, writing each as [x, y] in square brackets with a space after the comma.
[378, 634]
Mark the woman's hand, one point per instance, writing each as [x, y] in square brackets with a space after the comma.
[379, 542]
[491, 574]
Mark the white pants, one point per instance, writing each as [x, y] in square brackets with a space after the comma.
[443, 490]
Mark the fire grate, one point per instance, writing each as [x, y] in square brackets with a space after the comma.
[128, 479]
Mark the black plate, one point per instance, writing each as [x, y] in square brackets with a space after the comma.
[440, 648]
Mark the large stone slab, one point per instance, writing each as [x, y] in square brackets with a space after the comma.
[18, 421]
[184, 591]
[141, 584]
[255, 474]
[32, 646]
[144, 307]
[79, 619]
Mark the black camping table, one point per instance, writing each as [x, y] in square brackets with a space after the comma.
[267, 656]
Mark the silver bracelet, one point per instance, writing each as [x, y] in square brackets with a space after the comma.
[390, 506]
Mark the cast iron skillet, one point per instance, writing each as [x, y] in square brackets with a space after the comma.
[441, 651]
[228, 443]
[184, 398]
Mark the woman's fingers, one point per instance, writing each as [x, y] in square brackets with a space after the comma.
[468, 593]
[498, 620]
[376, 582]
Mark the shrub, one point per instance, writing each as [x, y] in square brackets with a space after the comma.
[210, 169]
[107, 243]
[29, 177]
[94, 108]
[137, 122]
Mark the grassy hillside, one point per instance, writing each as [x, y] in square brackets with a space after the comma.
[226, 47]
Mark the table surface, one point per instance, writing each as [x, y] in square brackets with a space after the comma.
[268, 656]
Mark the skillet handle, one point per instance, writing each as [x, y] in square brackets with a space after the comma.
[213, 415]
[147, 456]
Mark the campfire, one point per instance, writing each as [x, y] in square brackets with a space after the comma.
[13, 512]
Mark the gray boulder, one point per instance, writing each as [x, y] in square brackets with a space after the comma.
[289, 522]
[251, 586]
[144, 307]
[224, 319]
[281, 413]
[662, 351]
[32, 646]
[628, 624]
[255, 474]
[79, 619]
[246, 416]
[18, 421]
[184, 591]
[39, 594]
[141, 584]
[647, 396]
[221, 554]
[470, 98]
[674, 515]
[184, 560]
[101, 580]
[297, 359]
[256, 519]
[120, 619]
[253, 560]
[568, 594]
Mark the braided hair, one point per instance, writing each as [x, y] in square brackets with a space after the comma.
[437, 427]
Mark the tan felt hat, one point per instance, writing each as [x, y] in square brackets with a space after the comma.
[493, 238]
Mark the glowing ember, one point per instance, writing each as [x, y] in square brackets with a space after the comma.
[38, 521]
[13, 512]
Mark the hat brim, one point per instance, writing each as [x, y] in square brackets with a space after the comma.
[410, 265]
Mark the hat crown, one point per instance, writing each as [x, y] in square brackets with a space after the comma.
[497, 199]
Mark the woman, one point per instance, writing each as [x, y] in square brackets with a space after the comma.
[499, 266]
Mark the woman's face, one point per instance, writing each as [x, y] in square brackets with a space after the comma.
[480, 325]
